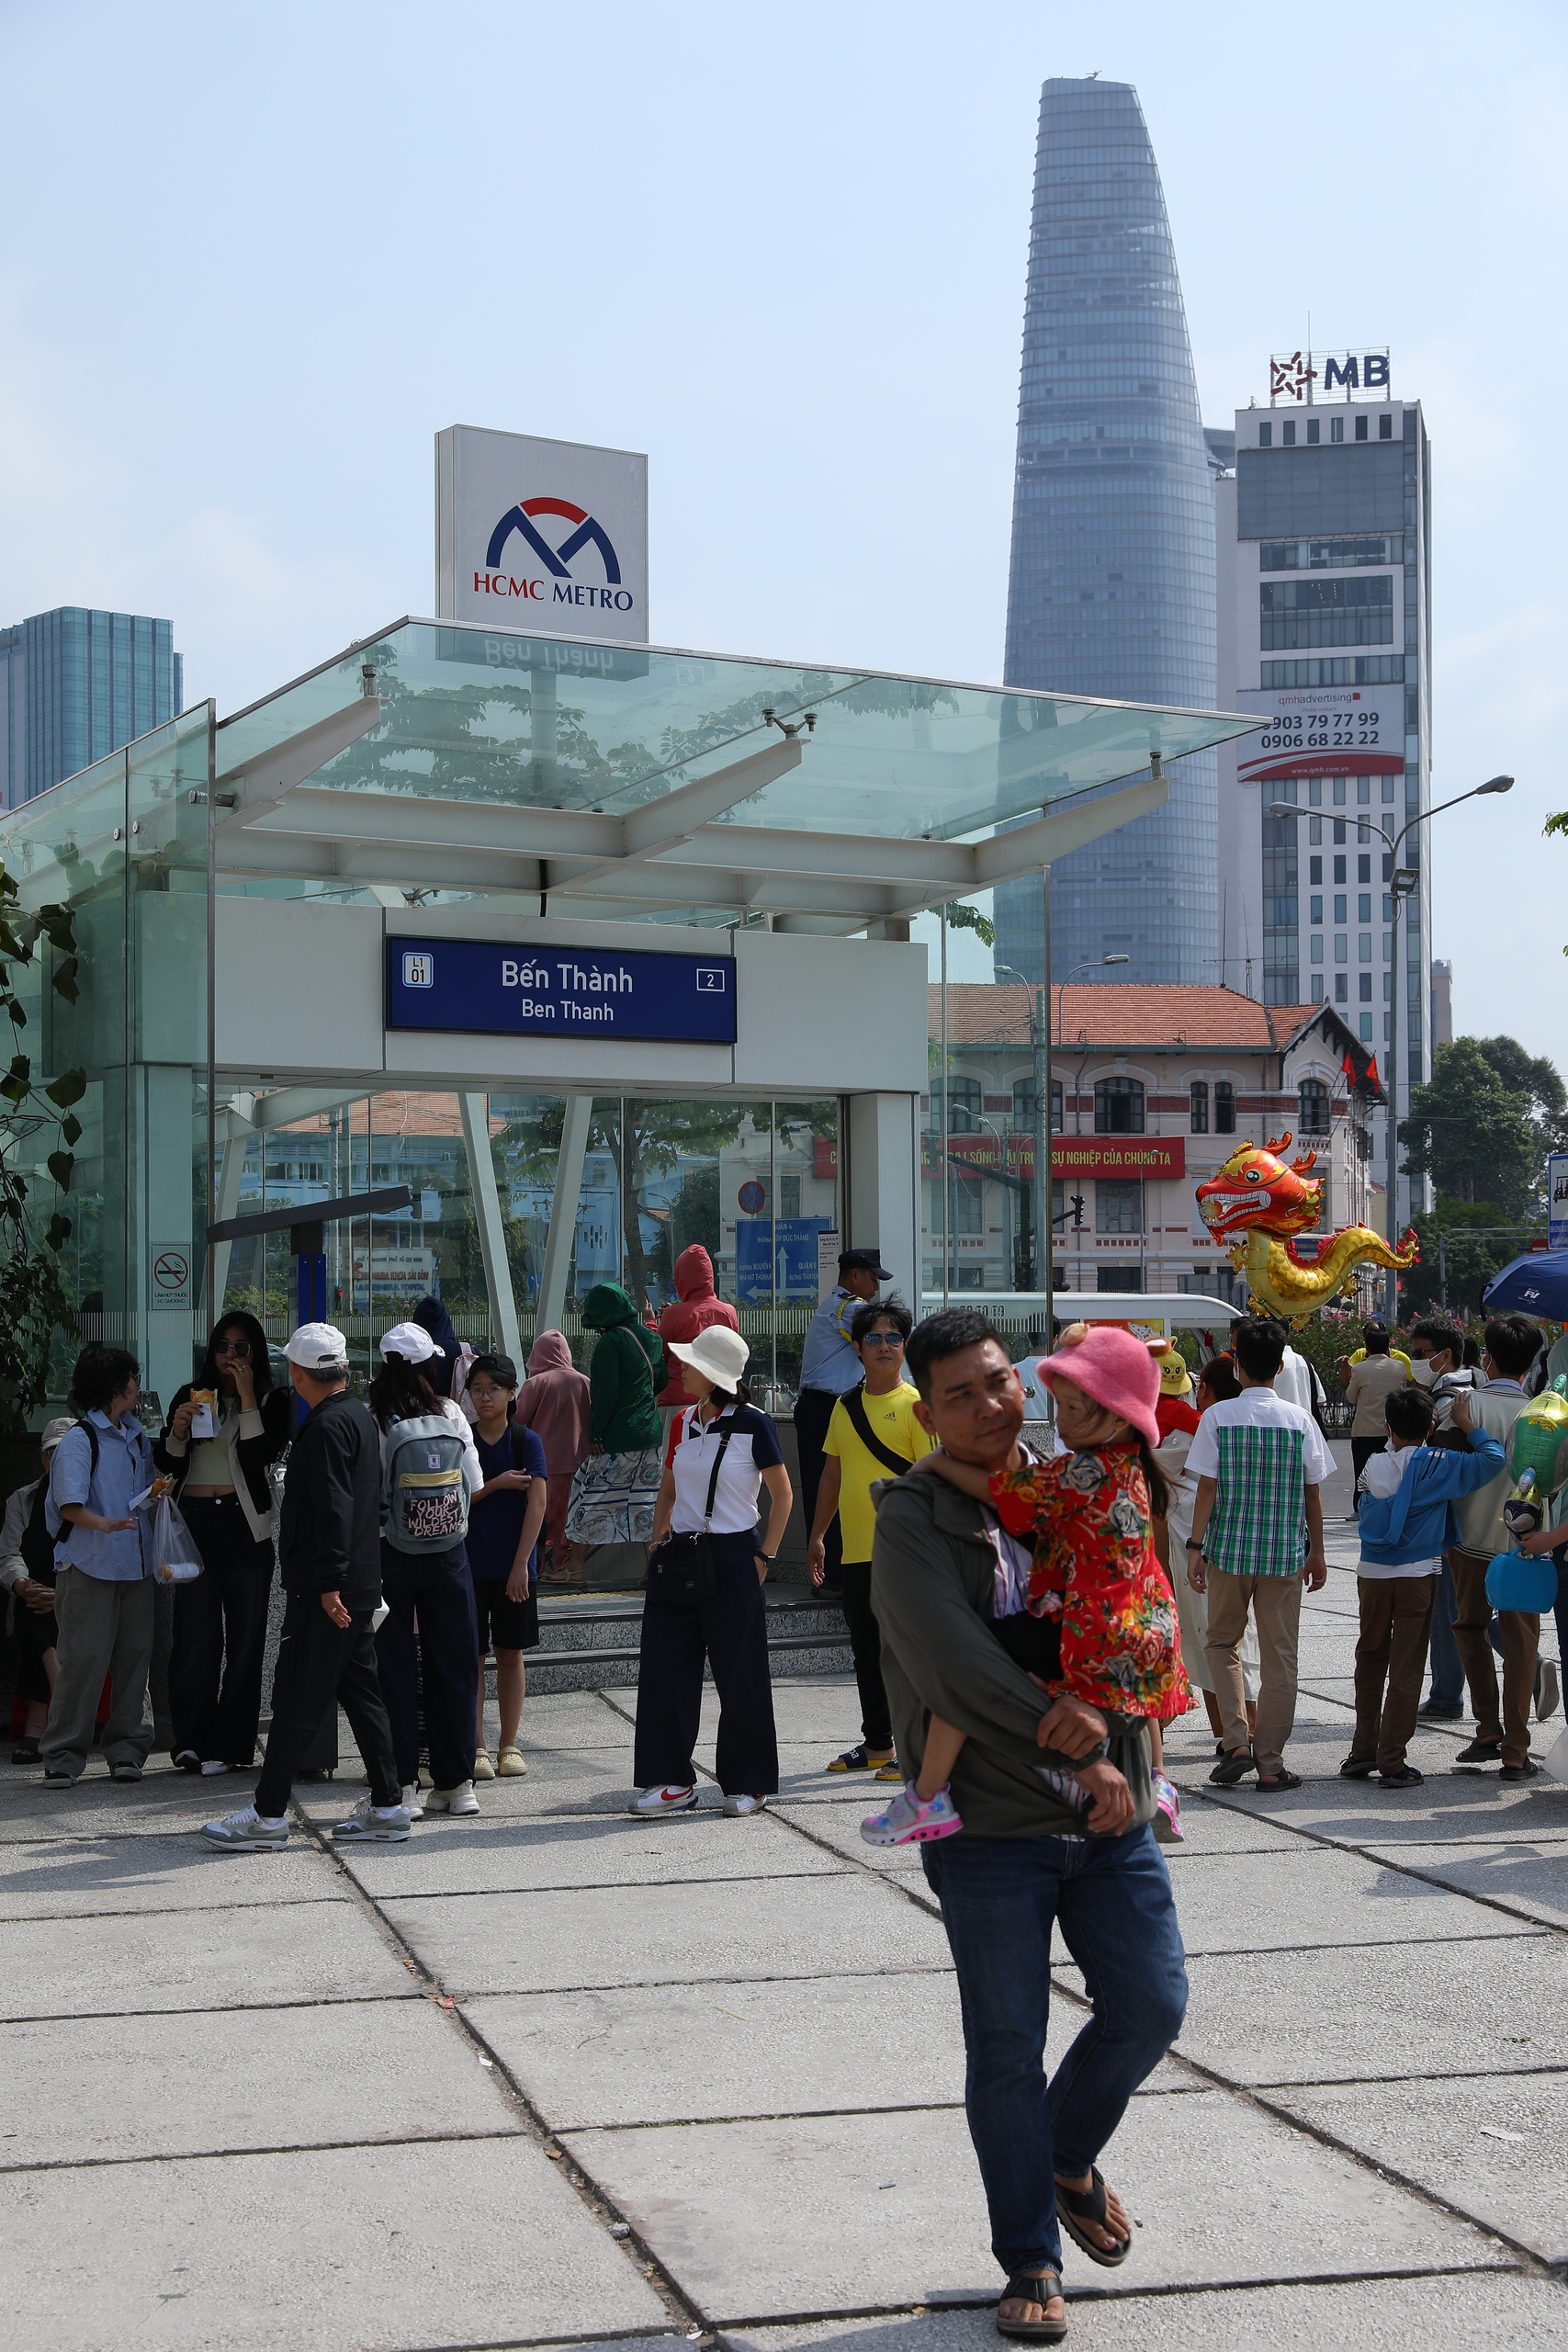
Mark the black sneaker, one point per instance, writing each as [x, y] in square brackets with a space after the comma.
[1480, 1751]
[1438, 1710]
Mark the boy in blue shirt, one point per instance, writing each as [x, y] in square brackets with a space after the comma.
[1406, 1510]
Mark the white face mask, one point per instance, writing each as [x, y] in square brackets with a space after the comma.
[1423, 1371]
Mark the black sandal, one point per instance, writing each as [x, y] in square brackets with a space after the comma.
[1075, 2205]
[1021, 2288]
[1272, 1788]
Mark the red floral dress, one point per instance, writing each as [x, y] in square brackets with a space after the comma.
[1095, 1566]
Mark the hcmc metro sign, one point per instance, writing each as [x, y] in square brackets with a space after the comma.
[545, 535]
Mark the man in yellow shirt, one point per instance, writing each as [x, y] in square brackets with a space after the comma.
[872, 1434]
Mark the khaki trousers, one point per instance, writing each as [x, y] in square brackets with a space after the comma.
[105, 1629]
[1520, 1636]
[1275, 1603]
[1391, 1665]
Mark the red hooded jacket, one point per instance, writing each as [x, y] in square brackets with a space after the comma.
[697, 1305]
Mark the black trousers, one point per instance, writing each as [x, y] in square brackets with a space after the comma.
[215, 1665]
[865, 1643]
[731, 1630]
[813, 1411]
[36, 1631]
[437, 1588]
[318, 1662]
[1362, 1451]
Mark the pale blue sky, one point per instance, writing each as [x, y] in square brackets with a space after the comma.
[255, 259]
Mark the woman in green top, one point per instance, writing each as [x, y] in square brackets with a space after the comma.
[614, 1493]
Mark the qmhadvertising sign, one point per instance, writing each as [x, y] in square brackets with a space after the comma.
[545, 534]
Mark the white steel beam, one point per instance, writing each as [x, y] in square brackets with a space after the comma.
[578, 1115]
[475, 1109]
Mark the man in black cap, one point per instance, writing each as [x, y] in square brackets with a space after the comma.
[830, 1368]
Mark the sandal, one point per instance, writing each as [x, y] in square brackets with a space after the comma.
[1075, 2206]
[1407, 1777]
[1358, 1768]
[1024, 2288]
[1272, 1788]
[859, 1759]
[25, 1751]
[1234, 1766]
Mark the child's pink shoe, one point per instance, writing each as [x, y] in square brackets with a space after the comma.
[908, 1819]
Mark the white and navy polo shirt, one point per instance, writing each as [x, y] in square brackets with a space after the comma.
[754, 1447]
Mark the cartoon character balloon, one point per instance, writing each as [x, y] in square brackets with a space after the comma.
[1257, 1205]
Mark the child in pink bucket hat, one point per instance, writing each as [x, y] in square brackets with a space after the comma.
[1098, 1619]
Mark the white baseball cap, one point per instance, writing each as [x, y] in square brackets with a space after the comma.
[317, 1347]
[411, 1340]
[718, 1353]
[53, 1431]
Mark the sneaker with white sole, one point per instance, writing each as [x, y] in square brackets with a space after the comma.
[649, 1805]
[483, 1768]
[1167, 1823]
[910, 1820]
[458, 1800]
[413, 1802]
[368, 1821]
[738, 1808]
[210, 1770]
[54, 1778]
[245, 1833]
[125, 1770]
[1548, 1690]
[512, 1764]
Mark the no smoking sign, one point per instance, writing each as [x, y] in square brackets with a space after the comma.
[171, 1274]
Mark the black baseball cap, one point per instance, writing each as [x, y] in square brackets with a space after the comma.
[864, 1262]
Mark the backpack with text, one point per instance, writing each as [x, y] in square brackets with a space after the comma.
[425, 1497]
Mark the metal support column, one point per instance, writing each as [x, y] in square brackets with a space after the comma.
[488, 1217]
[575, 1125]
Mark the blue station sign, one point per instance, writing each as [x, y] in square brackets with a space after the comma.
[496, 987]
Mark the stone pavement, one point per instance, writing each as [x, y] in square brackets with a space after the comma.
[552, 2076]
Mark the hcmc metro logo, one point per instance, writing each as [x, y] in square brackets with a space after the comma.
[560, 588]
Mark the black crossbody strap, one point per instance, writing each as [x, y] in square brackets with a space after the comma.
[712, 1482]
[853, 1402]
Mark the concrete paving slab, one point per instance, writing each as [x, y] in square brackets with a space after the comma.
[498, 1856]
[73, 1878]
[1448, 1808]
[1445, 2314]
[837, 1825]
[820, 2045]
[143, 1963]
[653, 1935]
[854, 2211]
[1257, 1903]
[448, 2242]
[1495, 2149]
[85, 2091]
[1530, 1879]
[560, 1782]
[159, 1805]
[1378, 2011]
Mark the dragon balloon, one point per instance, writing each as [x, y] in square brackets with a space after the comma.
[1257, 1203]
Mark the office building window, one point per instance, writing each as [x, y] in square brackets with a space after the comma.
[1314, 864]
[1224, 1107]
[968, 1204]
[1364, 987]
[1388, 946]
[1317, 946]
[1313, 430]
[1363, 869]
[1198, 1096]
[1023, 1103]
[1317, 904]
[1361, 428]
[1265, 436]
[1119, 1106]
[1385, 428]
[1311, 1107]
[1363, 947]
[1337, 428]
[1118, 1277]
[1329, 555]
[1366, 1028]
[1388, 787]
[1118, 1205]
[789, 1192]
[1364, 904]
[963, 1105]
[1341, 947]
[1339, 831]
[1339, 873]
[1317, 993]
[1288, 432]
[1337, 669]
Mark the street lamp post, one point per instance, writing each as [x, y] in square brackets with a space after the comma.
[1402, 879]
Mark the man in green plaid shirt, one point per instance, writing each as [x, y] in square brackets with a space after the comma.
[1256, 1534]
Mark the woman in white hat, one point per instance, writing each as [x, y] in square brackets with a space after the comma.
[429, 1636]
[722, 1452]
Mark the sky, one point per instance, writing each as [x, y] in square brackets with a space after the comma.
[257, 259]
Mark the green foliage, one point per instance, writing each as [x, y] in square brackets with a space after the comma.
[1462, 1238]
[34, 1302]
[963, 917]
[1482, 1127]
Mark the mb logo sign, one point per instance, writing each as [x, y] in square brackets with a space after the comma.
[1292, 374]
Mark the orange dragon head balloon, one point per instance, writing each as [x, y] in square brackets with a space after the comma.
[1256, 1192]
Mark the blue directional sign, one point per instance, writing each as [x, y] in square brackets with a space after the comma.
[781, 1251]
[501, 988]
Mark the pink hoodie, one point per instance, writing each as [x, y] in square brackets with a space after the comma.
[697, 1306]
[553, 1403]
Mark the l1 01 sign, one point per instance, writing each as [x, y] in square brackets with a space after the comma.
[496, 987]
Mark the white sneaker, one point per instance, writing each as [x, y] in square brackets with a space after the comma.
[364, 1822]
[413, 1802]
[737, 1808]
[458, 1800]
[210, 1770]
[649, 1803]
[243, 1833]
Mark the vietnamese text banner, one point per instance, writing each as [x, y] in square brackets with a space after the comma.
[496, 987]
[1070, 1155]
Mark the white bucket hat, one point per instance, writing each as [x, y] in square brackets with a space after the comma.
[718, 1353]
[411, 1340]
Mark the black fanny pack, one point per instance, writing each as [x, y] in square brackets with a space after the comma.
[681, 1570]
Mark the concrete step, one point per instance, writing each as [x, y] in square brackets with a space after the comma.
[593, 1644]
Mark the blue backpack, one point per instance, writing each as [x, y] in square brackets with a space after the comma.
[425, 1495]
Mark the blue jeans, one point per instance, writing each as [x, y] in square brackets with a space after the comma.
[1000, 1897]
[1447, 1669]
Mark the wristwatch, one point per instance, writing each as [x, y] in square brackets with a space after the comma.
[1194, 1542]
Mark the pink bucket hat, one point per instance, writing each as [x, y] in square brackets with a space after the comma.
[1116, 1370]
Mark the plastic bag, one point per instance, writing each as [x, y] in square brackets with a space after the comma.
[175, 1559]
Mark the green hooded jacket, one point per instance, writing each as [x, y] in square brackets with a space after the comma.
[626, 1371]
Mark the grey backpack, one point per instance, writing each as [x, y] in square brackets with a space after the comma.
[425, 1495]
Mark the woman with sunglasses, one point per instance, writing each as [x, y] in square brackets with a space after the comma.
[225, 1497]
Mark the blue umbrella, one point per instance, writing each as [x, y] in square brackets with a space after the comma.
[1536, 1283]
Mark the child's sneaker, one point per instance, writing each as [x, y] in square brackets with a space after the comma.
[908, 1819]
[1166, 1823]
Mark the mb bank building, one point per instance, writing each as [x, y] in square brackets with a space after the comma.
[505, 951]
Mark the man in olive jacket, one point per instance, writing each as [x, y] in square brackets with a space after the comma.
[330, 1553]
[1023, 1860]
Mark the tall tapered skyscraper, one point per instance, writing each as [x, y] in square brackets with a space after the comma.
[1111, 589]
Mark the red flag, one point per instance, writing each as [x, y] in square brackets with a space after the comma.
[1373, 1078]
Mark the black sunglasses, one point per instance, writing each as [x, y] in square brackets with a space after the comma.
[241, 1348]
